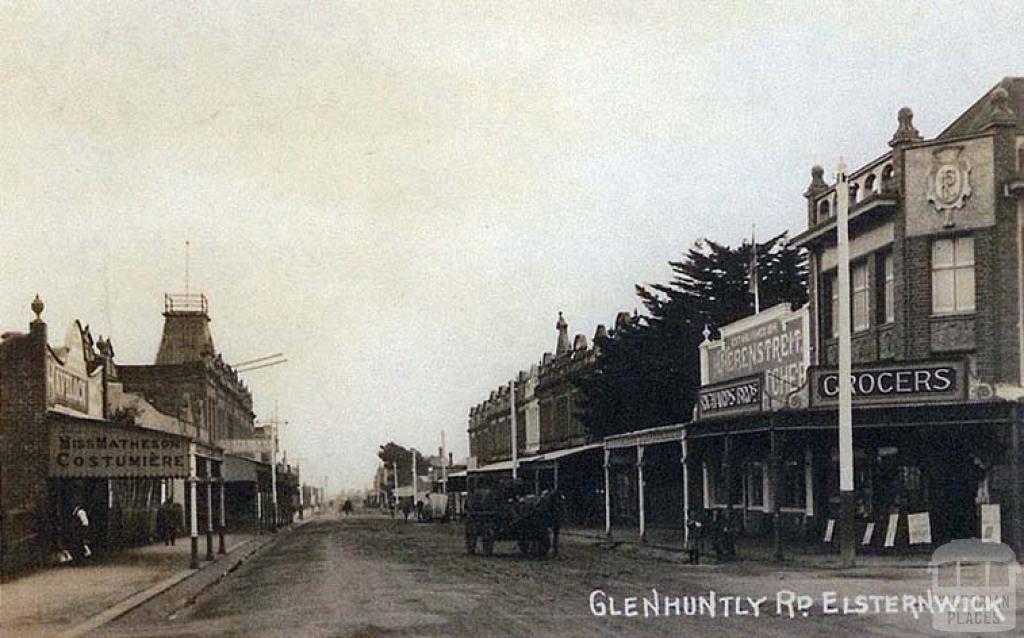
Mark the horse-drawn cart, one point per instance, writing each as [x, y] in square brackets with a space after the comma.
[496, 515]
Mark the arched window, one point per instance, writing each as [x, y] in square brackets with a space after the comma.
[869, 185]
[854, 193]
[824, 210]
[888, 179]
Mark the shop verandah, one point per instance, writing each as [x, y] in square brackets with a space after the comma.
[932, 467]
[121, 476]
[937, 463]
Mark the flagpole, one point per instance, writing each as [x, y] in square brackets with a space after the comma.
[847, 537]
[755, 286]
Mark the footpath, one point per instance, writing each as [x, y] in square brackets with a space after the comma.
[668, 544]
[71, 600]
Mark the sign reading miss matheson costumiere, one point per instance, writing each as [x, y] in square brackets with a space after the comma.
[107, 451]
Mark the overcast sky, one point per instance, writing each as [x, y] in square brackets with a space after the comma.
[401, 197]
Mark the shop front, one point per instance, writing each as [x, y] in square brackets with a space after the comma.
[120, 475]
[933, 460]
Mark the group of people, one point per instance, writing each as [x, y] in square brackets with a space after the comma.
[715, 530]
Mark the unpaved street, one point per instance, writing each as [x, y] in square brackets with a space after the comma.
[367, 576]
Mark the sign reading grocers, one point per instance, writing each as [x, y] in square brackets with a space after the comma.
[108, 451]
[930, 381]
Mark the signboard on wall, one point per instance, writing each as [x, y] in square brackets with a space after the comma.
[920, 382]
[109, 451]
[740, 396]
[774, 343]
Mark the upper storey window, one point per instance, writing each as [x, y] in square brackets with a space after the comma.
[861, 293]
[953, 275]
[824, 211]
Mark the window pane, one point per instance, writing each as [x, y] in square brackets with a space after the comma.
[860, 310]
[964, 251]
[942, 291]
[942, 253]
[859, 278]
[965, 288]
[890, 308]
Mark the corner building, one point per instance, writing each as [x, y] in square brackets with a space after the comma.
[936, 232]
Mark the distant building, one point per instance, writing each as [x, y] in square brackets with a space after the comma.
[554, 449]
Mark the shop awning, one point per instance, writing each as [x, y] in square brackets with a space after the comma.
[650, 436]
[500, 466]
[238, 469]
[554, 455]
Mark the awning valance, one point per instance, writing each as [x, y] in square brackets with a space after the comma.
[554, 455]
[87, 449]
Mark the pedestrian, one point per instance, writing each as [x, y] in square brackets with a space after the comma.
[167, 519]
[419, 510]
[695, 530]
[347, 507]
[406, 510]
[80, 531]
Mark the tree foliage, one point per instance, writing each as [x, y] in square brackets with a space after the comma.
[648, 371]
[392, 454]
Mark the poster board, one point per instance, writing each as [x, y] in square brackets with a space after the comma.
[830, 528]
[919, 526]
[869, 533]
[991, 523]
[890, 530]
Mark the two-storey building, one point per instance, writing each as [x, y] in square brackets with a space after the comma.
[936, 231]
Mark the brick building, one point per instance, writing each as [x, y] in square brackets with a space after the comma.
[937, 311]
[190, 378]
[70, 436]
[554, 449]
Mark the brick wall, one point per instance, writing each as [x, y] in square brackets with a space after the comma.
[24, 449]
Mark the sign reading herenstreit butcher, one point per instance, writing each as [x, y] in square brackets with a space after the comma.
[773, 343]
[108, 451]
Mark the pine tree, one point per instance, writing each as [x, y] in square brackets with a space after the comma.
[648, 371]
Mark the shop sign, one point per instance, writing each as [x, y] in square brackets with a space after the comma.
[773, 343]
[991, 525]
[901, 383]
[740, 396]
[66, 388]
[108, 451]
[919, 528]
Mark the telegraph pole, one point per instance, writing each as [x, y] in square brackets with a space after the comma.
[515, 430]
[847, 537]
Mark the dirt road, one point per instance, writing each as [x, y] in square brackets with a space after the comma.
[366, 576]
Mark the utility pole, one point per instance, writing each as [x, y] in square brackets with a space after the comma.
[847, 537]
[515, 430]
[444, 465]
[415, 482]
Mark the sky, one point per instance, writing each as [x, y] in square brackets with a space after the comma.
[401, 197]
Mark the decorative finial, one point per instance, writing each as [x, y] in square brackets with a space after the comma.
[999, 108]
[905, 131]
[707, 332]
[841, 170]
[38, 307]
[817, 184]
